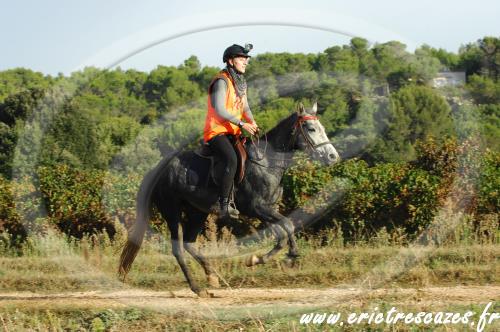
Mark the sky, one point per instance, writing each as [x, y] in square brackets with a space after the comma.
[60, 36]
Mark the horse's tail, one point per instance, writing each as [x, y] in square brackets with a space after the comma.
[144, 207]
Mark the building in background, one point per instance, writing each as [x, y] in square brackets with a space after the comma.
[448, 78]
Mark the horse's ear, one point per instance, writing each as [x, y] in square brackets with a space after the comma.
[314, 109]
[301, 109]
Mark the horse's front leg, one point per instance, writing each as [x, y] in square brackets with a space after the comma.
[283, 229]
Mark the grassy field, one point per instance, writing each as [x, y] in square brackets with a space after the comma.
[56, 269]
[105, 319]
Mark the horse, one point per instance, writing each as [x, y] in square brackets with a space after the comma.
[166, 187]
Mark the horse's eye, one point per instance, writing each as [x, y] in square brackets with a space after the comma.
[311, 129]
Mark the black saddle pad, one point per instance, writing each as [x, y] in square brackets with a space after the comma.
[200, 173]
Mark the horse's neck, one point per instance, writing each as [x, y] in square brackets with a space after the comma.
[268, 161]
[279, 138]
[275, 146]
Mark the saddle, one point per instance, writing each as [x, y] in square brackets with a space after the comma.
[206, 153]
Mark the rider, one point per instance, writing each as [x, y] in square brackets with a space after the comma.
[228, 113]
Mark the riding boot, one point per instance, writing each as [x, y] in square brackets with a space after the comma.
[227, 209]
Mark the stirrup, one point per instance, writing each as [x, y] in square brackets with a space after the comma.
[227, 209]
[232, 210]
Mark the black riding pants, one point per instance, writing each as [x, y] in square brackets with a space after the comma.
[222, 147]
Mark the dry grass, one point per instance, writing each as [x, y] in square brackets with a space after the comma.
[53, 263]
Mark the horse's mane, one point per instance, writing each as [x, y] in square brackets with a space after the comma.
[279, 134]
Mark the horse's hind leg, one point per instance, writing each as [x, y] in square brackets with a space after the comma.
[194, 226]
[172, 214]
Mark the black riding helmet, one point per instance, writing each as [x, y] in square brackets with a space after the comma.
[236, 50]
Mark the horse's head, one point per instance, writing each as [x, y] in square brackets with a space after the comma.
[309, 135]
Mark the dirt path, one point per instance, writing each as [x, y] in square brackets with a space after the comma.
[235, 302]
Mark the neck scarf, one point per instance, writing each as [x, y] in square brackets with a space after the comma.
[238, 80]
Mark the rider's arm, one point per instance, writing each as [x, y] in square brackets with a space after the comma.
[218, 99]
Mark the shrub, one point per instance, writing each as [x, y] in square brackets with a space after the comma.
[393, 196]
[11, 227]
[73, 198]
[488, 197]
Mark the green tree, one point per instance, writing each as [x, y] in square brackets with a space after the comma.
[191, 67]
[20, 106]
[141, 154]
[415, 112]
[490, 125]
[205, 76]
[360, 47]
[262, 90]
[448, 60]
[360, 134]
[8, 139]
[481, 57]
[423, 66]
[490, 48]
[14, 111]
[342, 59]
[13, 81]
[483, 89]
[390, 59]
[274, 111]
[73, 139]
[135, 82]
[168, 87]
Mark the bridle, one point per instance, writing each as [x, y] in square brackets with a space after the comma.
[298, 129]
[299, 125]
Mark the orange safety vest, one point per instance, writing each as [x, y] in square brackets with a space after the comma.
[216, 125]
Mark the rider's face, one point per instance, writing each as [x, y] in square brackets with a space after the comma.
[240, 63]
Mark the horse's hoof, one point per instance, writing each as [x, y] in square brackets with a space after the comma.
[252, 260]
[213, 281]
[204, 294]
[289, 262]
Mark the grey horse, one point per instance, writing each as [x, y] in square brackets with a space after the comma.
[168, 188]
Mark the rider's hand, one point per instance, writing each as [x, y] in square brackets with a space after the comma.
[250, 127]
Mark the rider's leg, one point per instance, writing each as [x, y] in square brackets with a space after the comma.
[223, 148]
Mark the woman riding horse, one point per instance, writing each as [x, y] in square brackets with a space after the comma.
[186, 205]
[227, 108]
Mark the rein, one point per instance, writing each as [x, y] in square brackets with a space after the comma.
[256, 161]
